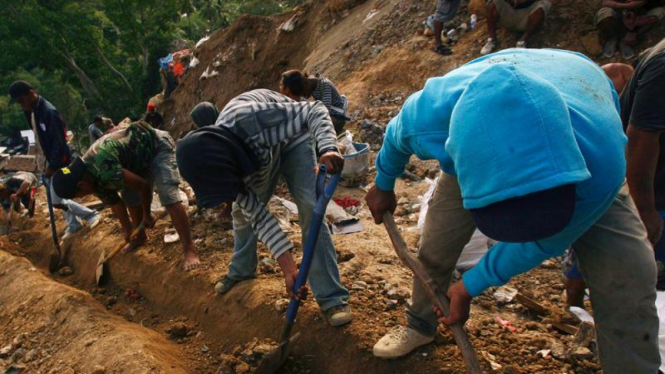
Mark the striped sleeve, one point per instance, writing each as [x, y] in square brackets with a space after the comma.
[264, 224]
[321, 128]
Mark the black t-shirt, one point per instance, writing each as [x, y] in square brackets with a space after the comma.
[643, 106]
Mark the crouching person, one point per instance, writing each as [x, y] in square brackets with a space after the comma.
[259, 136]
[131, 160]
[19, 186]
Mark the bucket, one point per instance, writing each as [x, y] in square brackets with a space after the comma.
[356, 165]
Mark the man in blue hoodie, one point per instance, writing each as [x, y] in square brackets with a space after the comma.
[532, 151]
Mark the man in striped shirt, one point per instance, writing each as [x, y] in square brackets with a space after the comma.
[259, 136]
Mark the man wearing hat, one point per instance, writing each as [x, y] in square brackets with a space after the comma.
[131, 160]
[259, 136]
[532, 152]
[153, 117]
[19, 186]
[52, 150]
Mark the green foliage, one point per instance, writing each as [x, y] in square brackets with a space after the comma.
[100, 56]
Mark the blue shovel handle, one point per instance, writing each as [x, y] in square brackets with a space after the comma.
[323, 195]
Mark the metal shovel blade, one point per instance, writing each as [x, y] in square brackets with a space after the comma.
[54, 261]
[99, 271]
[272, 361]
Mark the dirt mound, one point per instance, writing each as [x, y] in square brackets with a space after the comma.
[49, 327]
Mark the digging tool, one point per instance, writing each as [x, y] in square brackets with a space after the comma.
[272, 361]
[7, 229]
[438, 299]
[104, 258]
[56, 256]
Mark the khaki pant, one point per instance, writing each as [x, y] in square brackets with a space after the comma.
[614, 257]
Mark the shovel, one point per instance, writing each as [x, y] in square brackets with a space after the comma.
[56, 256]
[438, 299]
[103, 258]
[272, 361]
[6, 230]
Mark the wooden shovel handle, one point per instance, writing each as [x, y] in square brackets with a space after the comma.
[438, 299]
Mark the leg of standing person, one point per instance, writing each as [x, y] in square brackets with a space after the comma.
[73, 222]
[245, 259]
[535, 20]
[617, 262]
[448, 228]
[297, 167]
[492, 21]
[609, 28]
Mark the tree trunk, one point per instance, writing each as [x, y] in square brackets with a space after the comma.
[86, 82]
[124, 80]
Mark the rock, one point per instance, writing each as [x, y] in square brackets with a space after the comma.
[477, 7]
[65, 271]
[403, 201]
[14, 369]
[391, 304]
[242, 368]
[359, 285]
[68, 370]
[591, 44]
[18, 354]
[205, 349]
[5, 351]
[512, 369]
[281, 305]
[582, 353]
[31, 356]
[178, 330]
[98, 369]
[228, 363]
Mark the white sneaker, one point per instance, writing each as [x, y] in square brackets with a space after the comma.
[94, 221]
[488, 47]
[400, 341]
[520, 44]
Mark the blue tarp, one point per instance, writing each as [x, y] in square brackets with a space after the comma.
[165, 61]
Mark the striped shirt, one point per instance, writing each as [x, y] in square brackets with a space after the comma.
[326, 92]
[271, 123]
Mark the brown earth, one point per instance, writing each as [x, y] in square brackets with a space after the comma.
[377, 62]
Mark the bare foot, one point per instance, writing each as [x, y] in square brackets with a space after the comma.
[139, 241]
[191, 261]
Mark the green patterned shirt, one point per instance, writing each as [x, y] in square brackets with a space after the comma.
[132, 148]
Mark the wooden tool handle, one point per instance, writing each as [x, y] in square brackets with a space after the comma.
[122, 245]
[438, 299]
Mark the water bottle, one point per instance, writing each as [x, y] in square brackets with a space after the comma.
[473, 21]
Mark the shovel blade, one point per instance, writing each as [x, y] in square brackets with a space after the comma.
[99, 272]
[272, 361]
[54, 261]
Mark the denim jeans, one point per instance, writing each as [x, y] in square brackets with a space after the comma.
[75, 212]
[296, 165]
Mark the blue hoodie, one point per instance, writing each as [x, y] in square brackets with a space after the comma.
[510, 124]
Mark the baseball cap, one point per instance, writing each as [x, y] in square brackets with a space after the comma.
[66, 179]
[527, 218]
[19, 88]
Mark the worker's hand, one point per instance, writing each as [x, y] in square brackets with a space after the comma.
[14, 197]
[460, 305]
[654, 224]
[379, 202]
[290, 280]
[333, 160]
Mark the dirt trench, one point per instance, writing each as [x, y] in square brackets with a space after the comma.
[53, 328]
[246, 312]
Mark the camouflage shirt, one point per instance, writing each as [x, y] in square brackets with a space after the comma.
[132, 148]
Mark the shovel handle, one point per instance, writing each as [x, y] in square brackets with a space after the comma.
[324, 193]
[122, 245]
[49, 199]
[437, 298]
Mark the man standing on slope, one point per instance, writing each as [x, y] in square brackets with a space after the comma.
[53, 151]
[532, 152]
